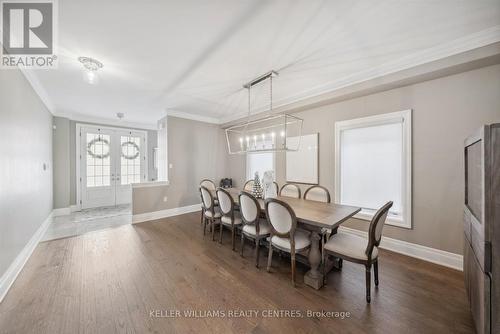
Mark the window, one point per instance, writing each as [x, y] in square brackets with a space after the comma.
[98, 160]
[130, 159]
[259, 162]
[373, 165]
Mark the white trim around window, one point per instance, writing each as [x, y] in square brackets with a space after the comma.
[402, 219]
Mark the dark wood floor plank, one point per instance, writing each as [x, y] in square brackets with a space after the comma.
[108, 282]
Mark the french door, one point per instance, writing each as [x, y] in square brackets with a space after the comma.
[110, 161]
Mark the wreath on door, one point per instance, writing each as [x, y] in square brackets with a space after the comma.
[92, 145]
[135, 150]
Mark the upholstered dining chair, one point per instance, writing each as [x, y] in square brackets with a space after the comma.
[290, 190]
[357, 249]
[318, 194]
[254, 228]
[276, 185]
[284, 233]
[211, 215]
[228, 218]
[210, 185]
[248, 185]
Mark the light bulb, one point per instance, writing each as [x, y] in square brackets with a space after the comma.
[241, 140]
[263, 136]
[282, 133]
[91, 77]
[273, 135]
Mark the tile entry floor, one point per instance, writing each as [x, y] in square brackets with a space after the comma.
[88, 220]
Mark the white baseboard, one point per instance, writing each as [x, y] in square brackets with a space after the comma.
[144, 217]
[429, 254]
[17, 265]
[74, 208]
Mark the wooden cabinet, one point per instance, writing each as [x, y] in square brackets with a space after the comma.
[482, 227]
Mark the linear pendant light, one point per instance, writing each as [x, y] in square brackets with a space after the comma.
[279, 132]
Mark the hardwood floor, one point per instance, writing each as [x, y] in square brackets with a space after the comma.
[113, 281]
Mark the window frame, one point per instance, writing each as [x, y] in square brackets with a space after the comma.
[405, 117]
[247, 162]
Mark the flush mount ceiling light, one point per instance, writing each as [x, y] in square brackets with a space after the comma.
[279, 132]
[91, 67]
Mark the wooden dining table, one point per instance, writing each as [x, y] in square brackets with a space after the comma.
[314, 217]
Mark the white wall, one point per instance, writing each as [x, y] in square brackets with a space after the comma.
[25, 146]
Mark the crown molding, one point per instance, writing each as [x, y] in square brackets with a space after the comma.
[193, 117]
[106, 121]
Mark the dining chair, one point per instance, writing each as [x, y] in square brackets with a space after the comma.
[211, 215]
[202, 207]
[228, 218]
[284, 233]
[357, 249]
[318, 194]
[249, 185]
[290, 190]
[254, 228]
[276, 185]
[210, 185]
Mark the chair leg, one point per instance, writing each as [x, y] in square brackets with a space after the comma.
[323, 260]
[293, 266]
[213, 230]
[368, 282]
[257, 252]
[204, 226]
[202, 215]
[242, 244]
[233, 236]
[375, 270]
[220, 233]
[269, 257]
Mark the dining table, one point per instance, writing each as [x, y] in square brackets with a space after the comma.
[315, 217]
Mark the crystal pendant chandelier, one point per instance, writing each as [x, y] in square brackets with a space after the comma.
[278, 132]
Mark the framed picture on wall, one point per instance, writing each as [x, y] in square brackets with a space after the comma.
[302, 166]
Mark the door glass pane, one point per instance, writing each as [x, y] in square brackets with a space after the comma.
[98, 160]
[130, 159]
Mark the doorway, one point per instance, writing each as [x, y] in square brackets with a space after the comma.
[109, 161]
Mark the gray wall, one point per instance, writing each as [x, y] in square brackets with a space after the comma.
[445, 111]
[65, 160]
[26, 145]
[196, 151]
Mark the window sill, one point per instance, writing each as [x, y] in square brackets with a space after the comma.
[391, 220]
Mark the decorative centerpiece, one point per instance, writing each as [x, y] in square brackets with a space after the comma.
[268, 184]
[257, 188]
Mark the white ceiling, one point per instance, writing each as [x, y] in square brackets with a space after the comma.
[193, 56]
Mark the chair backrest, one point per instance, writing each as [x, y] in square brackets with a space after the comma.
[276, 185]
[281, 217]
[209, 184]
[290, 190]
[206, 196]
[226, 202]
[248, 185]
[249, 208]
[376, 226]
[318, 194]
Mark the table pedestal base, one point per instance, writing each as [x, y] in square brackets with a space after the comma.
[313, 282]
